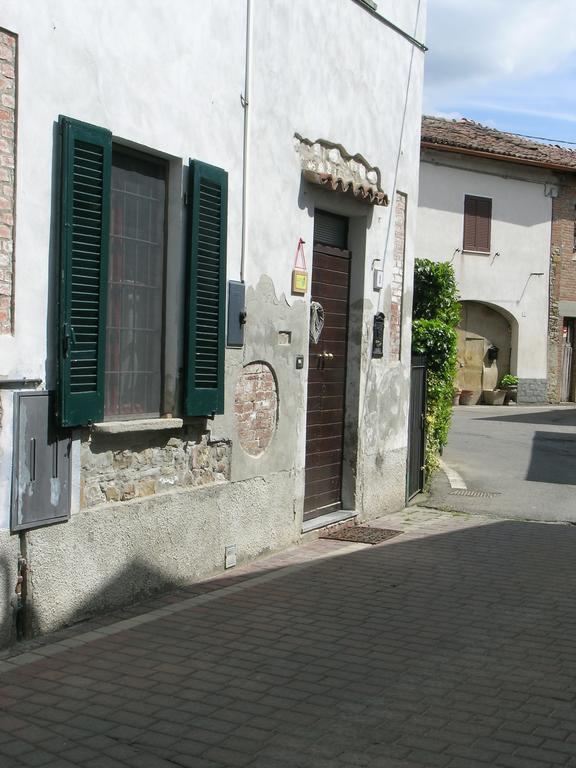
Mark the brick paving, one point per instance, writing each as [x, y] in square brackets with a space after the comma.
[451, 646]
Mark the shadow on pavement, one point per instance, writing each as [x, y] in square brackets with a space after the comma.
[563, 417]
[553, 458]
[451, 650]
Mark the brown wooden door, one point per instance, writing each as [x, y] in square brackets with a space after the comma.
[327, 384]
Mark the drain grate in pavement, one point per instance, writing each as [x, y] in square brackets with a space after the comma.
[362, 534]
[473, 493]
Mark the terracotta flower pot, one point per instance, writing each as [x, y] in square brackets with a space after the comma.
[466, 397]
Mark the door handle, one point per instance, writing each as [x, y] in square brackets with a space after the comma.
[328, 355]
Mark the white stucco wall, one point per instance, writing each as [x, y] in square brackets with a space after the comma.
[168, 78]
[520, 242]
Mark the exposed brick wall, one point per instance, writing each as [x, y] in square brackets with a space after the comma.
[256, 407]
[398, 276]
[7, 175]
[562, 277]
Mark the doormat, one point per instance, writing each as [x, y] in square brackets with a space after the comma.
[362, 534]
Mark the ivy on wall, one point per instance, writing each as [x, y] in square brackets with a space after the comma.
[436, 314]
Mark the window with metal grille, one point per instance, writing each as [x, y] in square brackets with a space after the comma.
[477, 223]
[133, 380]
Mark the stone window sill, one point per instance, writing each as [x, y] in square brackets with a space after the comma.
[135, 425]
[478, 253]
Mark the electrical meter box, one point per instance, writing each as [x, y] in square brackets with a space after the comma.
[41, 470]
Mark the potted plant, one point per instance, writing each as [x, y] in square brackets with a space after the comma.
[456, 396]
[510, 384]
[466, 397]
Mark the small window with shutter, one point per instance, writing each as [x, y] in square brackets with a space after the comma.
[477, 223]
[112, 286]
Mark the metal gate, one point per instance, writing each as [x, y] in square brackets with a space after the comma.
[416, 428]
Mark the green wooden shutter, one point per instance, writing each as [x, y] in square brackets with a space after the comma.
[86, 154]
[206, 290]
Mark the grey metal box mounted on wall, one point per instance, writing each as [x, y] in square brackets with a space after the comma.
[42, 466]
[236, 313]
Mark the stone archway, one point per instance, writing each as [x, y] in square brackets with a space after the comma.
[481, 327]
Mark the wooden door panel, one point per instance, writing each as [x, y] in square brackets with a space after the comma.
[330, 277]
[318, 389]
[330, 291]
[324, 459]
[323, 472]
[322, 444]
[473, 364]
[326, 502]
[328, 402]
[333, 429]
[324, 485]
[331, 264]
[333, 416]
[327, 384]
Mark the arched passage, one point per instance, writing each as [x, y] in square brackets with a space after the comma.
[481, 327]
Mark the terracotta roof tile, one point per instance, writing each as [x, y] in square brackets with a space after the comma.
[474, 137]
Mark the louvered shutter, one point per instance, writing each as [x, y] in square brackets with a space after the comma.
[206, 290]
[477, 220]
[469, 223]
[483, 219]
[85, 213]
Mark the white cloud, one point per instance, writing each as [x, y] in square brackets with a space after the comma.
[508, 63]
[498, 38]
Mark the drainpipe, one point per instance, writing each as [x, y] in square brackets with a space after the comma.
[21, 617]
[245, 101]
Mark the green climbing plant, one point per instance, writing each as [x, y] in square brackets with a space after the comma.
[436, 313]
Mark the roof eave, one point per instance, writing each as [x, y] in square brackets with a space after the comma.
[493, 156]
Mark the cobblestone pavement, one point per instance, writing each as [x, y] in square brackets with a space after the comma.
[451, 645]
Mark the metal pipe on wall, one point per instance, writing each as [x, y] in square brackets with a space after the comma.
[245, 100]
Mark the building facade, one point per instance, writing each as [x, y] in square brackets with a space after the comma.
[500, 209]
[207, 238]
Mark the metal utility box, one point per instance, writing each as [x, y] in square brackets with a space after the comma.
[42, 463]
[236, 313]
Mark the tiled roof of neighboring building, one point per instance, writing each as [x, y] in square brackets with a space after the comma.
[474, 138]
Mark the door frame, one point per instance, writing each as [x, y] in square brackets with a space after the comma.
[346, 253]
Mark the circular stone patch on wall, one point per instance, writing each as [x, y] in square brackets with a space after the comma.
[256, 407]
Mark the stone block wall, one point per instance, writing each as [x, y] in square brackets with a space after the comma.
[532, 391]
[7, 175]
[110, 471]
[398, 276]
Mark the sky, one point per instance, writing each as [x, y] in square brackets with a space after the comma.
[510, 64]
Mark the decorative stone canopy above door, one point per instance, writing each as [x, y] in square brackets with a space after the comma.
[331, 166]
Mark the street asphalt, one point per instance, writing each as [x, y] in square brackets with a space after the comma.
[449, 646]
[515, 461]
